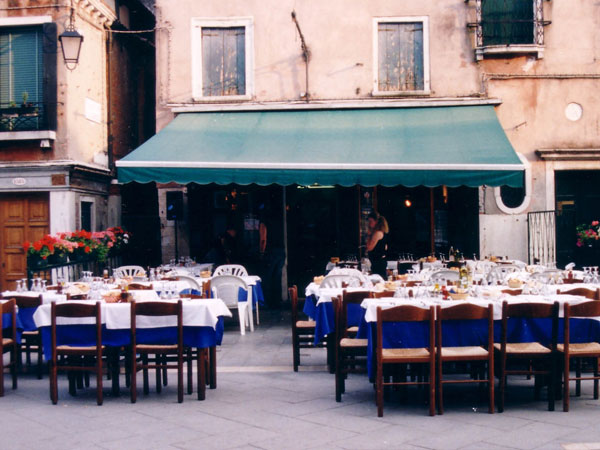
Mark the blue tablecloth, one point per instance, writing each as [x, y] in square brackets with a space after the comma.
[324, 317]
[7, 323]
[464, 333]
[85, 336]
[257, 294]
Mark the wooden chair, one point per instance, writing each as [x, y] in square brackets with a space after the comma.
[8, 344]
[582, 292]
[73, 357]
[31, 339]
[579, 350]
[395, 356]
[466, 312]
[303, 331]
[164, 354]
[540, 359]
[350, 353]
[140, 287]
[382, 294]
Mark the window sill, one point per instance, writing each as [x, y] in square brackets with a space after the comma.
[511, 49]
[425, 93]
[27, 135]
[223, 99]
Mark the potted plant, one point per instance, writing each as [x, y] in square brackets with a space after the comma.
[26, 108]
[588, 243]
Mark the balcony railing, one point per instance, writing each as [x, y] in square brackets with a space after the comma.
[23, 117]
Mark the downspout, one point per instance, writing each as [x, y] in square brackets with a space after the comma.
[305, 55]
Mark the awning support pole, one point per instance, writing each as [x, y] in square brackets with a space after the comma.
[431, 221]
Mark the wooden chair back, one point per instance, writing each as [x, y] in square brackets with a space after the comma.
[466, 311]
[157, 309]
[583, 292]
[529, 311]
[140, 287]
[382, 294]
[9, 307]
[25, 301]
[513, 292]
[293, 294]
[206, 289]
[355, 298]
[75, 310]
[405, 313]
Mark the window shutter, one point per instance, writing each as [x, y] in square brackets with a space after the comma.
[507, 22]
[401, 57]
[49, 61]
[223, 61]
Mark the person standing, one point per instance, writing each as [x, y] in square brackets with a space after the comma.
[377, 243]
[272, 253]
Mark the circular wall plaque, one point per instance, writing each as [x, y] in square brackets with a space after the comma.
[573, 111]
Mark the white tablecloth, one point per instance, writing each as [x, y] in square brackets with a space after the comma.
[196, 313]
[49, 296]
[371, 304]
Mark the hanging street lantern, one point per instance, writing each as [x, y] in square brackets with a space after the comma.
[70, 42]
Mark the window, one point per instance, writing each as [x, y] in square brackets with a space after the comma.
[507, 22]
[222, 59]
[87, 215]
[509, 26]
[401, 56]
[21, 78]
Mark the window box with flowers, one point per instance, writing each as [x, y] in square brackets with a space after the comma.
[76, 246]
[588, 243]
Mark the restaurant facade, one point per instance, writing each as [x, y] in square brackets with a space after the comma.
[467, 124]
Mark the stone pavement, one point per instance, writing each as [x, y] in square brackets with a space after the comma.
[261, 403]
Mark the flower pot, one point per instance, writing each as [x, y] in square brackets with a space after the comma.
[36, 262]
[57, 258]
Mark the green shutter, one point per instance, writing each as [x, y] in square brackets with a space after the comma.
[223, 61]
[507, 22]
[401, 57]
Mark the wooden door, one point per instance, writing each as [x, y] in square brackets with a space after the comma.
[22, 218]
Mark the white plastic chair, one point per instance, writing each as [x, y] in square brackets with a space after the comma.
[191, 282]
[501, 272]
[226, 288]
[444, 276]
[340, 281]
[238, 271]
[231, 269]
[129, 271]
[349, 272]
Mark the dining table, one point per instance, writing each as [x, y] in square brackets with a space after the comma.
[473, 332]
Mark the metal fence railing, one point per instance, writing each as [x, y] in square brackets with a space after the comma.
[541, 230]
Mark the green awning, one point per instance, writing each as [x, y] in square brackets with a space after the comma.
[430, 146]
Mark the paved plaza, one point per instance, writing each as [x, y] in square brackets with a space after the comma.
[261, 403]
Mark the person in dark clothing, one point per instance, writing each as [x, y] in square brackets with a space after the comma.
[377, 243]
[272, 253]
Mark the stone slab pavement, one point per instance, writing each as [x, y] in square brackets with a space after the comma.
[261, 403]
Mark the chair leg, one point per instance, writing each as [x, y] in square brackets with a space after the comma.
[296, 352]
[13, 366]
[578, 375]
[158, 360]
[189, 370]
[339, 378]
[502, 385]
[133, 379]
[213, 367]
[145, 374]
[53, 375]
[179, 377]
[99, 381]
[379, 395]
[431, 387]
[440, 383]
[241, 316]
[250, 318]
[491, 381]
[596, 368]
[165, 378]
[40, 358]
[1, 374]
[201, 373]
[257, 315]
[552, 384]
[566, 386]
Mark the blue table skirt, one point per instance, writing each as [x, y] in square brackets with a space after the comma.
[85, 336]
[465, 333]
[258, 296]
[7, 323]
[324, 317]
